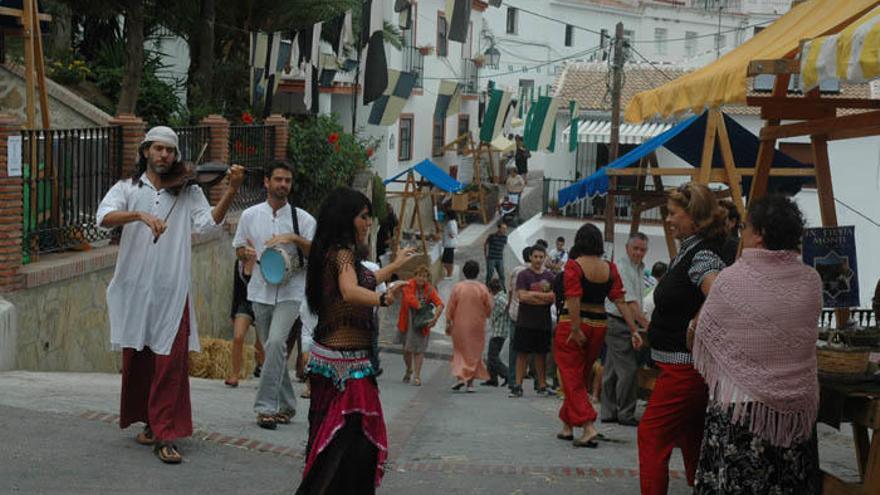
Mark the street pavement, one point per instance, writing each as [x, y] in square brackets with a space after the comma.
[59, 435]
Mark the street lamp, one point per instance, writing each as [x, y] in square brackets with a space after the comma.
[493, 56]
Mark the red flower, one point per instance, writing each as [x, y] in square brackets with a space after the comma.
[369, 152]
[333, 138]
[252, 150]
[247, 118]
[238, 146]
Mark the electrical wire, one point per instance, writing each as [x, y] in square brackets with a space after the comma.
[549, 62]
[857, 212]
[652, 64]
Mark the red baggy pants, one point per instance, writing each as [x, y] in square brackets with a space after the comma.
[674, 418]
[155, 388]
[575, 364]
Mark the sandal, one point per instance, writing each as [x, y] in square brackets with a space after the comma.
[306, 394]
[417, 382]
[406, 376]
[283, 418]
[267, 421]
[231, 383]
[167, 452]
[569, 437]
[590, 444]
[145, 437]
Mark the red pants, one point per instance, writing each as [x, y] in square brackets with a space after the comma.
[155, 388]
[575, 364]
[674, 418]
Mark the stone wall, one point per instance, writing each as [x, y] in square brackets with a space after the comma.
[66, 109]
[63, 325]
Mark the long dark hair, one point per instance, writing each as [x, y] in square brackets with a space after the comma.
[335, 230]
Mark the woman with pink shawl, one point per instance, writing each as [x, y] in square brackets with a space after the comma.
[470, 304]
[755, 345]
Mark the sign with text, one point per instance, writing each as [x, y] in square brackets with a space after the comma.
[13, 156]
[832, 252]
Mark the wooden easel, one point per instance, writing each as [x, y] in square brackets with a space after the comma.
[410, 192]
[472, 149]
[715, 135]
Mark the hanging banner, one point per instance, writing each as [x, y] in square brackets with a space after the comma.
[832, 252]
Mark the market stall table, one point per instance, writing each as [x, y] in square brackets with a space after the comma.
[859, 404]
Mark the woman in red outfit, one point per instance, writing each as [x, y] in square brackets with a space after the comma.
[677, 408]
[588, 280]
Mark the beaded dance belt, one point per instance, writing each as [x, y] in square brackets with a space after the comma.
[339, 366]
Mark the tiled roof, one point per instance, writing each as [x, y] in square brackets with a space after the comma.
[589, 83]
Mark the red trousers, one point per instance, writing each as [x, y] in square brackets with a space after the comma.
[575, 365]
[674, 418]
[155, 388]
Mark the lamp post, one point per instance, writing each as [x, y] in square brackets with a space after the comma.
[493, 56]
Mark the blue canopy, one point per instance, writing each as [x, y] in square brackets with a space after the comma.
[685, 140]
[434, 174]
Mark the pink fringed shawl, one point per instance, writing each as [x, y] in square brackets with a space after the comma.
[755, 344]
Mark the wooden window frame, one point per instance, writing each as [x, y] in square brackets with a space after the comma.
[437, 151]
[568, 40]
[445, 38]
[462, 117]
[412, 136]
[507, 26]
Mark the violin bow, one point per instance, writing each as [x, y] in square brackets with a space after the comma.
[177, 197]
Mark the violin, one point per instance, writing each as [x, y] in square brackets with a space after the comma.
[185, 173]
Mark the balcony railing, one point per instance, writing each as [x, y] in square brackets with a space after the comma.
[594, 207]
[414, 61]
[470, 77]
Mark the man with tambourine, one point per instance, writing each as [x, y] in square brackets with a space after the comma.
[279, 236]
[149, 298]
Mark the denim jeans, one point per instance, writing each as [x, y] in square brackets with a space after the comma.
[495, 265]
[275, 393]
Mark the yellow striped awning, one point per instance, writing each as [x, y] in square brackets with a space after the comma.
[724, 81]
[851, 55]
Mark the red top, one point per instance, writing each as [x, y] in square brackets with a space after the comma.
[410, 300]
[574, 282]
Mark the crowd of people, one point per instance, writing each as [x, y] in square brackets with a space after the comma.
[736, 391]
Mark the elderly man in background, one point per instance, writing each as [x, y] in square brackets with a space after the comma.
[620, 373]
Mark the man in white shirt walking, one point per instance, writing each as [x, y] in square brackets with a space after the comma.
[276, 306]
[450, 242]
[151, 317]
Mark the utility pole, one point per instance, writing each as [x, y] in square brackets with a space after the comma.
[614, 147]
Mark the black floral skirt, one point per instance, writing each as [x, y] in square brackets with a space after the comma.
[734, 461]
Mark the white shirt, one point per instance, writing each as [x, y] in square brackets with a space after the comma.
[450, 234]
[259, 224]
[151, 282]
[557, 256]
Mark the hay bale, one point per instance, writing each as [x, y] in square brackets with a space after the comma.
[215, 360]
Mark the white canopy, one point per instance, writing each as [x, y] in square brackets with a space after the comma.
[599, 131]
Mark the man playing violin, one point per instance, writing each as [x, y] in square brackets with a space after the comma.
[276, 306]
[151, 318]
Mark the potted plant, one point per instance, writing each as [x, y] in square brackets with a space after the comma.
[553, 205]
[479, 60]
[426, 50]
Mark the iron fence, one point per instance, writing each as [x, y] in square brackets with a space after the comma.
[594, 207]
[414, 61]
[191, 140]
[251, 146]
[65, 174]
[471, 77]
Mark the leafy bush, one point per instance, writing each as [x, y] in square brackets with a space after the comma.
[324, 157]
[69, 69]
[157, 102]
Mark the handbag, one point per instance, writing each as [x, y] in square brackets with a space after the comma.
[423, 316]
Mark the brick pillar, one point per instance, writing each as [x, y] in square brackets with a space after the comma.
[11, 212]
[132, 134]
[281, 133]
[218, 149]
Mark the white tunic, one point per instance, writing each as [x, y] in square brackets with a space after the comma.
[152, 281]
[258, 224]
